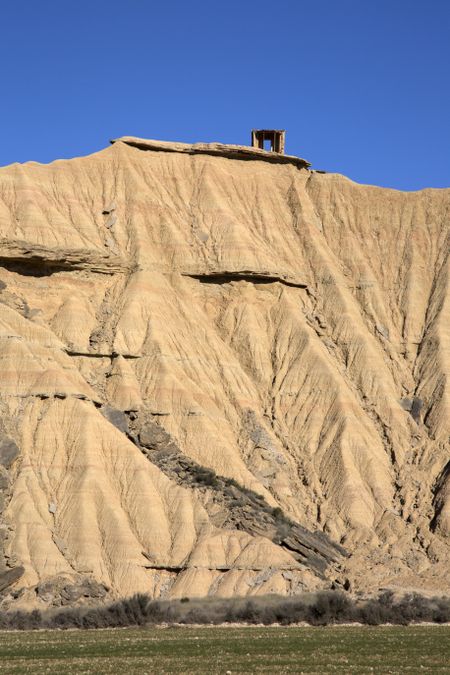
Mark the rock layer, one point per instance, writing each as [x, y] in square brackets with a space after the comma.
[287, 330]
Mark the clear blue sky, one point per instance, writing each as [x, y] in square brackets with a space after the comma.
[362, 86]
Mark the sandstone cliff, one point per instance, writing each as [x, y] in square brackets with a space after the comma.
[220, 375]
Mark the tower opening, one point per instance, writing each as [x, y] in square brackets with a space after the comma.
[271, 140]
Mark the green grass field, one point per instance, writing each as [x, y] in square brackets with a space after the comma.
[339, 649]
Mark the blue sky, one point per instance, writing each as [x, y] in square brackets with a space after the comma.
[362, 86]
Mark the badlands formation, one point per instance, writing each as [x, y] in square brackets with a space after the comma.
[221, 374]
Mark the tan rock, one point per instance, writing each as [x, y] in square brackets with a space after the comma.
[271, 319]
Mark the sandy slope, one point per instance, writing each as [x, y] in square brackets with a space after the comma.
[276, 322]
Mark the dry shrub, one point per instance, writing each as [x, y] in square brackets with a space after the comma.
[327, 607]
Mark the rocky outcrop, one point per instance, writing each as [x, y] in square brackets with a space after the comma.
[222, 277]
[237, 152]
[231, 505]
[10, 577]
[217, 374]
[60, 591]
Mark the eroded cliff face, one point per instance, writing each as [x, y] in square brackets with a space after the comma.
[164, 316]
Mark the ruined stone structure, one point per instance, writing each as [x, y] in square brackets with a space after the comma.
[276, 138]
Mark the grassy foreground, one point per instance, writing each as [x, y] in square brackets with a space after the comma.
[338, 649]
